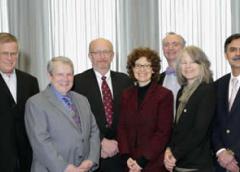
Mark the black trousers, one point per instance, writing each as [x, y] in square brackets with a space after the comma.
[113, 164]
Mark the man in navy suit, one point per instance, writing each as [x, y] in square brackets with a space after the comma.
[89, 84]
[15, 88]
[226, 140]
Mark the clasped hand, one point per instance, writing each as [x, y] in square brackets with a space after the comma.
[109, 148]
[133, 165]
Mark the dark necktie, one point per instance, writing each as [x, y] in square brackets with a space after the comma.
[107, 101]
[71, 106]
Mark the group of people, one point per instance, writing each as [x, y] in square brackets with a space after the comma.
[106, 121]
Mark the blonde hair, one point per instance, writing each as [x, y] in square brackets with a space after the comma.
[199, 57]
[7, 37]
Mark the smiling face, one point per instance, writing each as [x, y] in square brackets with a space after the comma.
[61, 77]
[8, 57]
[172, 45]
[142, 71]
[101, 55]
[189, 68]
[233, 56]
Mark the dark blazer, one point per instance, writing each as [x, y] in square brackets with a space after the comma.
[14, 145]
[227, 124]
[144, 130]
[87, 85]
[161, 78]
[190, 141]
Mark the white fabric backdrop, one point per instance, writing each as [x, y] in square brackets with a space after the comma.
[65, 27]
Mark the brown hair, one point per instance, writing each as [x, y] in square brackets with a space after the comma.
[151, 56]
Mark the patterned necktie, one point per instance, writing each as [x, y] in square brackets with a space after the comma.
[107, 101]
[233, 92]
[71, 106]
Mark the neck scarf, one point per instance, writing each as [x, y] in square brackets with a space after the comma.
[188, 90]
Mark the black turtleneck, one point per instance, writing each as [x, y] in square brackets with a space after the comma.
[142, 90]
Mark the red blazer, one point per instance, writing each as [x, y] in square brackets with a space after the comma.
[145, 130]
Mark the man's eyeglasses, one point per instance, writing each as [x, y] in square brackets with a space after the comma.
[173, 44]
[7, 54]
[143, 66]
[104, 53]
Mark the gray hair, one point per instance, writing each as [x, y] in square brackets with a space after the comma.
[199, 57]
[62, 59]
[183, 42]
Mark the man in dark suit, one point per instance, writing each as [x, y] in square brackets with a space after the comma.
[15, 88]
[172, 44]
[89, 83]
[226, 140]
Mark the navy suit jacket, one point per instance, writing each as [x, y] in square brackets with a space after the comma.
[14, 146]
[227, 124]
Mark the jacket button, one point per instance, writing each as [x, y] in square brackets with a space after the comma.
[227, 131]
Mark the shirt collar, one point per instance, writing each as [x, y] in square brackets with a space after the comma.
[99, 75]
[6, 76]
[238, 77]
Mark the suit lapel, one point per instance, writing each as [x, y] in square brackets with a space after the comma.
[5, 89]
[236, 102]
[96, 91]
[59, 106]
[20, 86]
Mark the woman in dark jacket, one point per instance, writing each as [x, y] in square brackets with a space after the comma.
[146, 115]
[189, 147]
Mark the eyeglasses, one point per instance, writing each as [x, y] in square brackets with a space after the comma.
[7, 54]
[173, 44]
[104, 52]
[234, 49]
[142, 66]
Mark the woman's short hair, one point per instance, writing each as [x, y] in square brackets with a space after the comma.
[151, 56]
[64, 60]
[199, 57]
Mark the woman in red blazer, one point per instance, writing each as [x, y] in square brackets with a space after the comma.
[146, 115]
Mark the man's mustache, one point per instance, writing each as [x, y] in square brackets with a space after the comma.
[236, 58]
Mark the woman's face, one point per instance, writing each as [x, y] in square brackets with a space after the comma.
[189, 68]
[142, 71]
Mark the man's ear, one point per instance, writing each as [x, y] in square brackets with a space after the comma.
[49, 76]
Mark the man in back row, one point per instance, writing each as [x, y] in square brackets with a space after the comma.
[172, 44]
[15, 88]
[103, 89]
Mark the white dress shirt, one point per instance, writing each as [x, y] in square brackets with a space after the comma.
[170, 82]
[108, 80]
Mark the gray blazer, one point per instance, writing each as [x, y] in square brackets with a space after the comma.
[55, 138]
